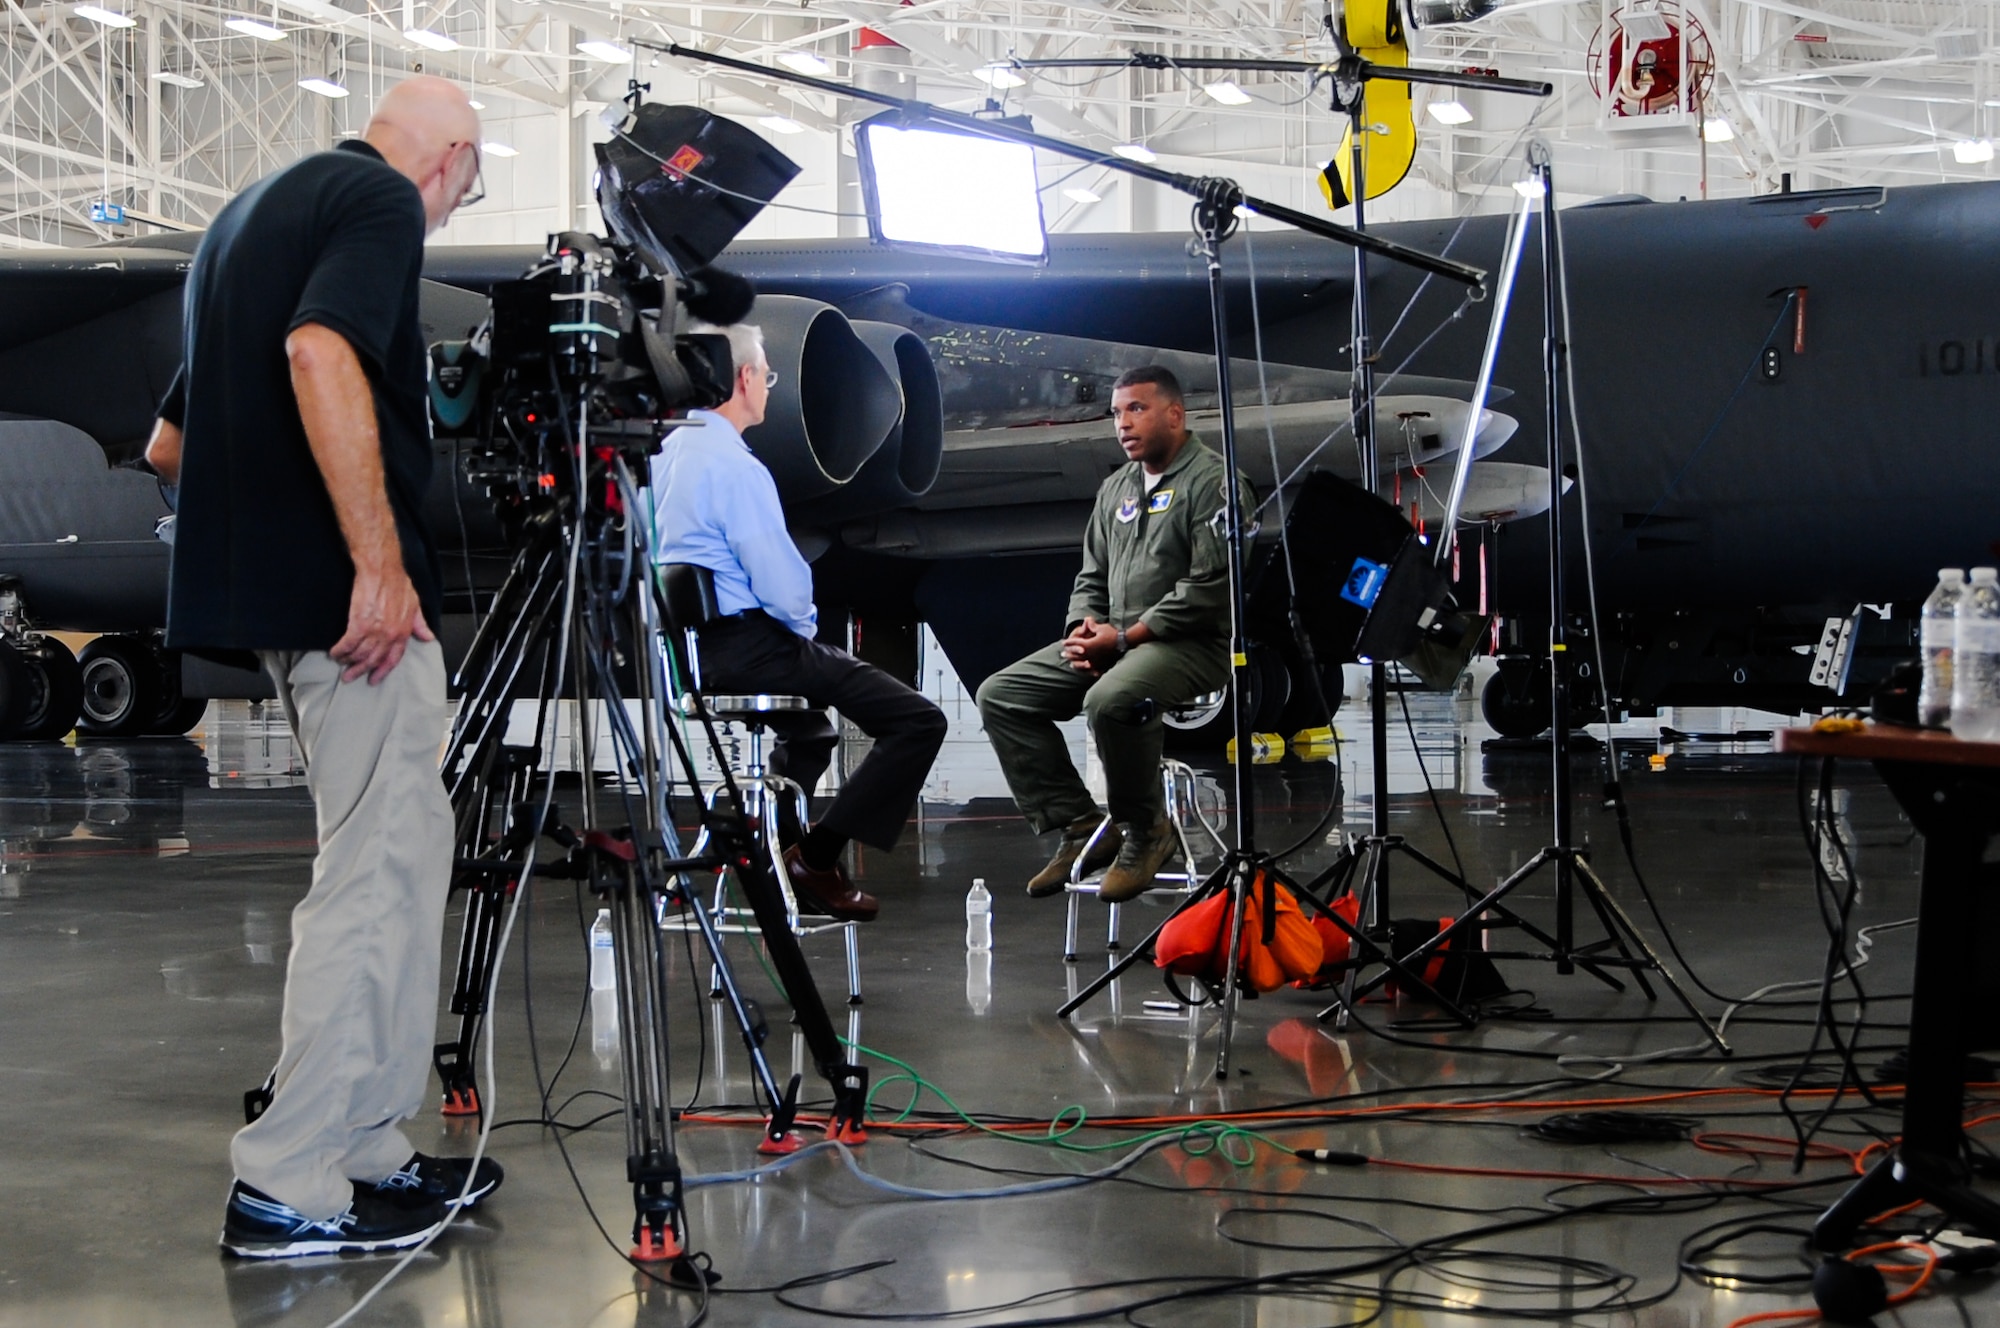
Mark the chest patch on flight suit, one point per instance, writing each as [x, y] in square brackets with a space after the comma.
[1128, 510]
[1160, 501]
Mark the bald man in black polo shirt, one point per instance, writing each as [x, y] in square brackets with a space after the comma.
[297, 431]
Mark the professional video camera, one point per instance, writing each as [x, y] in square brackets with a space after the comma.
[595, 332]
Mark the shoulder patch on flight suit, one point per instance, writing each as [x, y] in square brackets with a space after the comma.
[1128, 510]
[1161, 501]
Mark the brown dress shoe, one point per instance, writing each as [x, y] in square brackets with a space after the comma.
[828, 892]
[1051, 879]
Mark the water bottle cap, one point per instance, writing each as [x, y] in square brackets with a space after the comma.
[604, 915]
[1985, 575]
[1951, 574]
[979, 882]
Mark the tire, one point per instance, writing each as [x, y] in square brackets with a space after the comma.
[1525, 715]
[17, 691]
[121, 687]
[55, 691]
[180, 717]
[1211, 733]
[176, 714]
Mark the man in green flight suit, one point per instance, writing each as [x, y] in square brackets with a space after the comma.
[1148, 629]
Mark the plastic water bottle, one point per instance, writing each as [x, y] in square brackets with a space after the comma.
[1939, 627]
[1975, 660]
[603, 962]
[979, 916]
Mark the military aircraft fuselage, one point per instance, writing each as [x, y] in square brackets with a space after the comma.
[1778, 400]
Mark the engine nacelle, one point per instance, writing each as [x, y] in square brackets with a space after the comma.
[906, 464]
[834, 405]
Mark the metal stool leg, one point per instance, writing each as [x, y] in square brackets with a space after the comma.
[851, 934]
[1111, 928]
[1069, 931]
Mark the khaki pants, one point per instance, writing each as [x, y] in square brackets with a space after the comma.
[1022, 702]
[361, 992]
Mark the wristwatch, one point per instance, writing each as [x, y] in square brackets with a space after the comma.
[1122, 647]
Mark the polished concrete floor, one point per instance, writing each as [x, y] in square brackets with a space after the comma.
[144, 890]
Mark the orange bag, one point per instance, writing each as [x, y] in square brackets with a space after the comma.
[1195, 943]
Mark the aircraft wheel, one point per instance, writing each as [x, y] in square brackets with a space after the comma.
[183, 715]
[176, 714]
[1269, 687]
[17, 690]
[55, 691]
[121, 687]
[1522, 714]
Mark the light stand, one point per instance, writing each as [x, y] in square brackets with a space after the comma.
[1362, 866]
[1217, 203]
[1570, 861]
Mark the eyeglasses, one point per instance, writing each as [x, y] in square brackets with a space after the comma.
[477, 189]
[770, 378]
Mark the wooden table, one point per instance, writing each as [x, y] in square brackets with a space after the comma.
[1951, 792]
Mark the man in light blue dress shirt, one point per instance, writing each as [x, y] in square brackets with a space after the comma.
[716, 505]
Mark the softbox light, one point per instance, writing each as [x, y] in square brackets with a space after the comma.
[948, 191]
[1365, 584]
[678, 184]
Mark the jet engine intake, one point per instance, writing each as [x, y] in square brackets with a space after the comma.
[906, 464]
[835, 404]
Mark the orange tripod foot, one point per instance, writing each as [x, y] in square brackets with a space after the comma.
[656, 1247]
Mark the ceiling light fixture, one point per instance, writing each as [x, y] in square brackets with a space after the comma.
[999, 76]
[1083, 196]
[1138, 152]
[476, 104]
[109, 18]
[781, 124]
[1227, 93]
[1716, 131]
[611, 53]
[1972, 151]
[325, 87]
[250, 27]
[499, 150]
[1449, 112]
[804, 62]
[174, 80]
[436, 41]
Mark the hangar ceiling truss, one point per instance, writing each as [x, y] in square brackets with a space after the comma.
[169, 116]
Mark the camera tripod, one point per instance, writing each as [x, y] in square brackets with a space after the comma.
[577, 618]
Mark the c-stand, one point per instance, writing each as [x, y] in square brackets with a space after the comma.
[577, 618]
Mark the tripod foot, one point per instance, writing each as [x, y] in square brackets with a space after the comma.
[460, 1101]
[778, 1145]
[657, 1246]
[846, 1132]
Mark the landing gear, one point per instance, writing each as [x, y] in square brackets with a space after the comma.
[40, 685]
[122, 683]
[1515, 700]
[132, 687]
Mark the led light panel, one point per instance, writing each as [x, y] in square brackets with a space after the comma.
[951, 192]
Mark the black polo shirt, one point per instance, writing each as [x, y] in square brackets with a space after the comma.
[259, 561]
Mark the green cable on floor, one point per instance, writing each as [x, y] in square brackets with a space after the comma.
[1212, 1137]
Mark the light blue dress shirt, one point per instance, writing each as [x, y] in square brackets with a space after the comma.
[715, 505]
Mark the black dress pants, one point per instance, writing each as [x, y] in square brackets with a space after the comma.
[754, 652]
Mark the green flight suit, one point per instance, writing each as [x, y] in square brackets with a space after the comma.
[1156, 558]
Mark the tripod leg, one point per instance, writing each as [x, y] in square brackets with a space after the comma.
[1142, 950]
[1593, 891]
[1240, 871]
[1597, 891]
[1359, 940]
